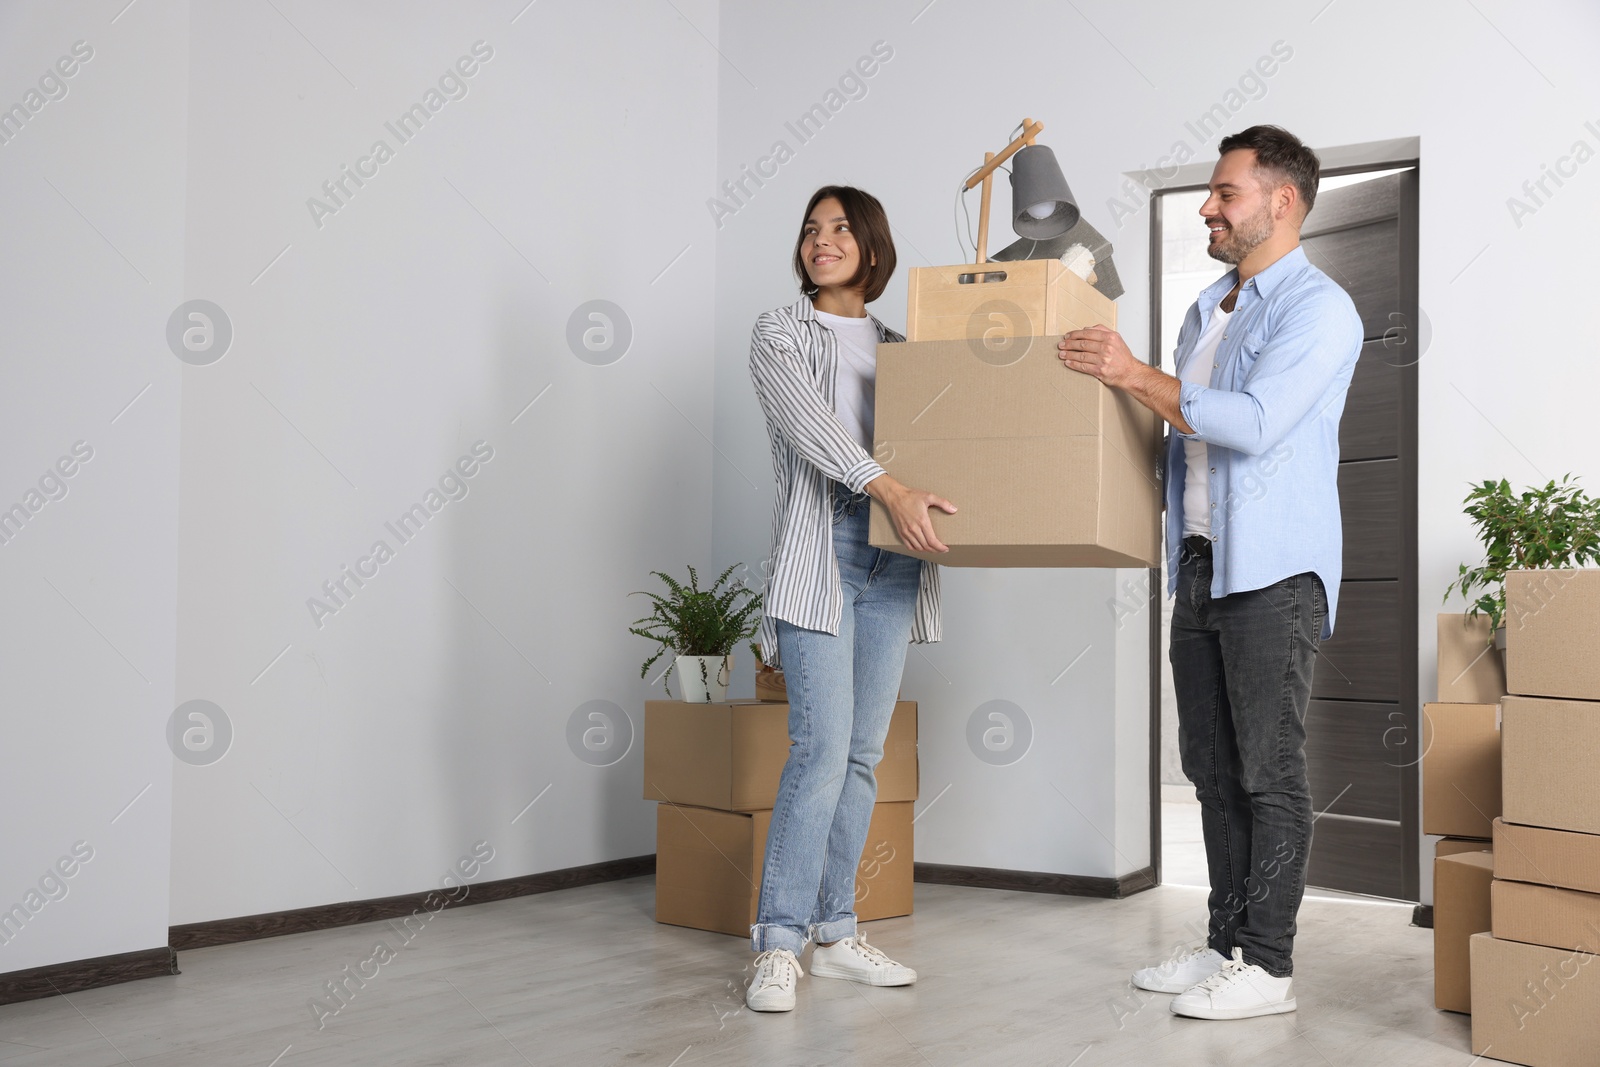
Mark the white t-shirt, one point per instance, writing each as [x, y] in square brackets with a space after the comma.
[1196, 485]
[856, 377]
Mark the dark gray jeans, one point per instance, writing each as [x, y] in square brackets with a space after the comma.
[1241, 671]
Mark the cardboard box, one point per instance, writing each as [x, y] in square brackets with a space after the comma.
[1545, 915]
[1534, 1005]
[1553, 633]
[1549, 753]
[1460, 769]
[1049, 467]
[1460, 909]
[709, 863]
[1471, 670]
[1018, 298]
[1552, 857]
[730, 755]
[770, 686]
[1452, 846]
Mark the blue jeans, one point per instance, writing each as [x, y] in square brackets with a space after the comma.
[1241, 672]
[841, 695]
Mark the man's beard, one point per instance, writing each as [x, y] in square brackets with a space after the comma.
[1239, 241]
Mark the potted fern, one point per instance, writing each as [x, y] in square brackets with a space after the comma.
[1553, 527]
[700, 628]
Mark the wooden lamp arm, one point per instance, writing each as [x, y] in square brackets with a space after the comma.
[984, 175]
[1030, 130]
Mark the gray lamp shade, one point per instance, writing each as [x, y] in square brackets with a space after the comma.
[1038, 188]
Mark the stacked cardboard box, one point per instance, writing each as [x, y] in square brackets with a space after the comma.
[1470, 668]
[1462, 872]
[1535, 993]
[1461, 797]
[714, 768]
[1460, 770]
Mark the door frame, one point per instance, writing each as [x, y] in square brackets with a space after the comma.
[1405, 152]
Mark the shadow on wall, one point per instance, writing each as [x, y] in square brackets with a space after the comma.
[538, 708]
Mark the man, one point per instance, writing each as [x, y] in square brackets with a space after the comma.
[1254, 551]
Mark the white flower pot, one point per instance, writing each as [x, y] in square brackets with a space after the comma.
[704, 679]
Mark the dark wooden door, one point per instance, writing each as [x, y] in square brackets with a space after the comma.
[1362, 730]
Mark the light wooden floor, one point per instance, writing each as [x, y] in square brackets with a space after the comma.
[586, 977]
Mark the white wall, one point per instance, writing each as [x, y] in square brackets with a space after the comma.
[370, 753]
[1494, 92]
[91, 264]
[420, 318]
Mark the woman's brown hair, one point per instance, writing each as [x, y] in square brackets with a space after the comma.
[870, 225]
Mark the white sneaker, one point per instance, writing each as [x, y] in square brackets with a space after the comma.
[1180, 972]
[772, 988]
[1239, 991]
[854, 960]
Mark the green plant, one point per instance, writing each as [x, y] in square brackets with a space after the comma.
[1554, 527]
[690, 621]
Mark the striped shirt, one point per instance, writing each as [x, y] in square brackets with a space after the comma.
[793, 361]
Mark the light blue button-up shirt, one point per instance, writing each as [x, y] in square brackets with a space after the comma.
[1270, 419]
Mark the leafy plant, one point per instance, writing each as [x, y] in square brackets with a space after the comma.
[690, 621]
[1553, 527]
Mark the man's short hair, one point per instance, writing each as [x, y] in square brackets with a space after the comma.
[1279, 150]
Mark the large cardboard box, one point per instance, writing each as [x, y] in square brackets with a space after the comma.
[1545, 915]
[1534, 1005]
[1460, 909]
[1550, 750]
[1460, 769]
[709, 863]
[1471, 670]
[730, 755]
[1553, 633]
[1552, 857]
[995, 301]
[1048, 467]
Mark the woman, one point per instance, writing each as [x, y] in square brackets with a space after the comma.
[838, 613]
